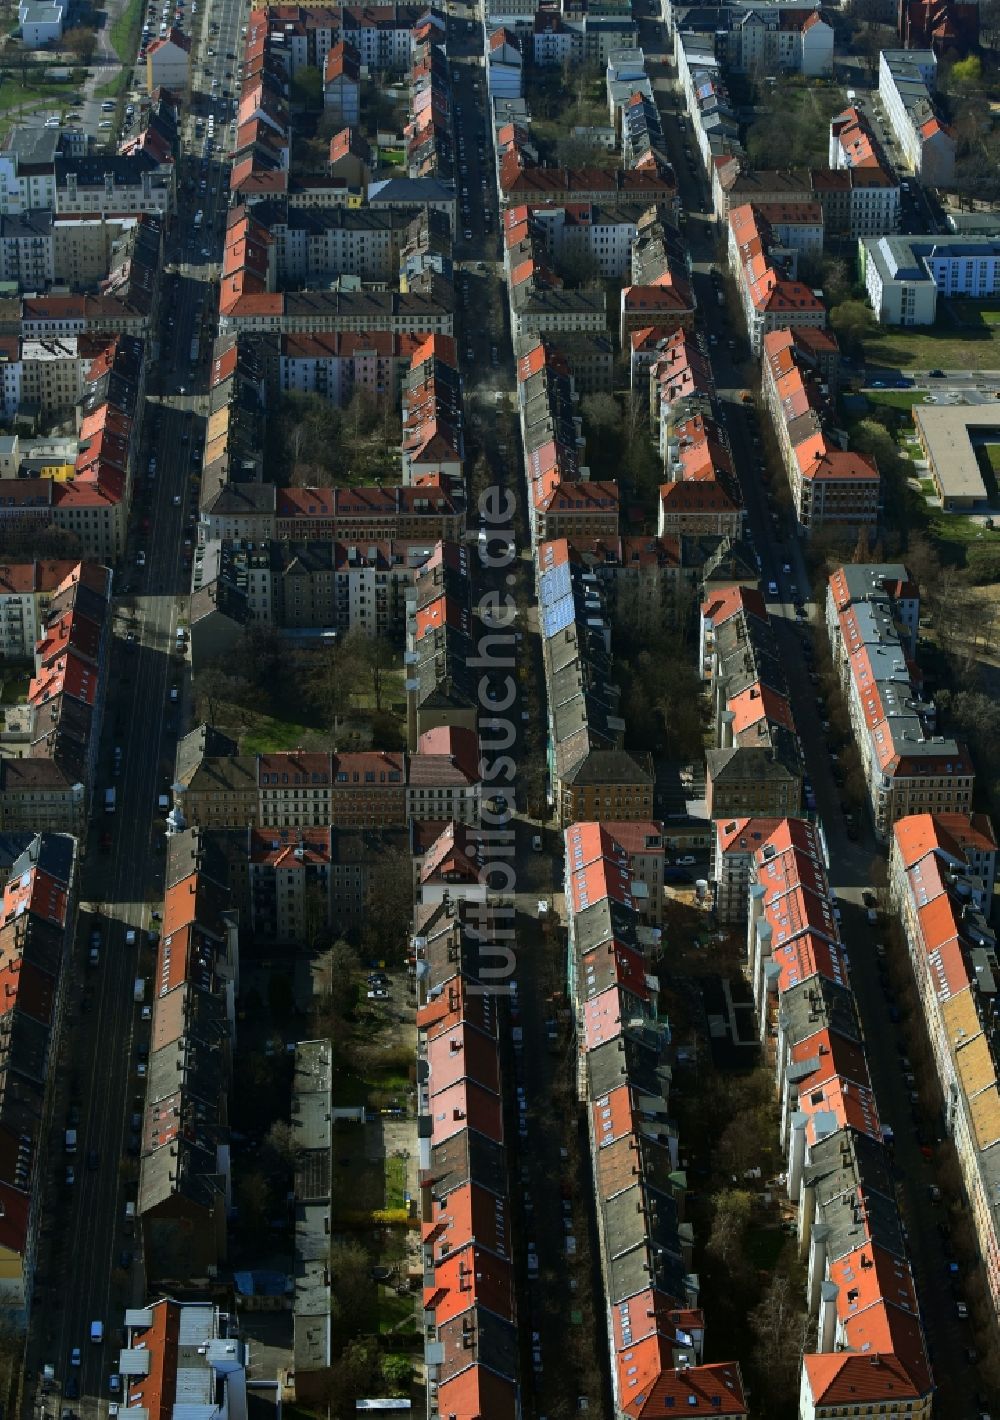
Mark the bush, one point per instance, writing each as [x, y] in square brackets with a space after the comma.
[982, 563]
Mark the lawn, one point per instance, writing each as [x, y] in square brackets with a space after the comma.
[271, 735]
[976, 313]
[114, 87]
[896, 399]
[959, 530]
[992, 454]
[15, 688]
[27, 98]
[931, 346]
[394, 1313]
[125, 32]
[395, 1183]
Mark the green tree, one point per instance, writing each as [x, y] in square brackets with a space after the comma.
[730, 1220]
[852, 320]
[390, 904]
[355, 1294]
[966, 74]
[353, 1376]
[307, 87]
[397, 1372]
[80, 42]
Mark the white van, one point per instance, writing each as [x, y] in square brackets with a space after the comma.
[97, 1331]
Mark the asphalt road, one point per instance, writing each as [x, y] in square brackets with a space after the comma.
[80, 1276]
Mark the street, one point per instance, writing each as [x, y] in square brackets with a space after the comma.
[851, 863]
[89, 1265]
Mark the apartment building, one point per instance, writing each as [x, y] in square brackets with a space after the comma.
[589, 357]
[734, 843]
[941, 877]
[342, 84]
[756, 766]
[26, 591]
[183, 1349]
[655, 1325]
[867, 203]
[759, 36]
[38, 918]
[184, 1163]
[581, 230]
[904, 276]
[680, 382]
[830, 485]
[168, 63]
[51, 743]
[471, 1343]
[27, 250]
[290, 873]
[28, 170]
[870, 613]
[312, 246]
[771, 300]
[869, 1346]
[444, 778]
[905, 85]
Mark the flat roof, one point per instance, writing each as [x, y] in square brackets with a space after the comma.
[948, 432]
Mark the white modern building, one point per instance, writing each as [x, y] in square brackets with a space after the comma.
[41, 22]
[905, 275]
[905, 85]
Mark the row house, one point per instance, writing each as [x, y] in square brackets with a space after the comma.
[679, 374]
[771, 298]
[649, 1292]
[51, 743]
[715, 128]
[764, 36]
[112, 184]
[587, 763]
[906, 79]
[442, 688]
[522, 182]
[26, 590]
[430, 151]
[589, 355]
[702, 494]
[184, 1155]
[337, 364]
[942, 872]
[470, 1321]
[872, 189]
[444, 777]
[756, 765]
[429, 511]
[830, 484]
[871, 612]
[433, 442]
[218, 788]
[312, 246]
[297, 35]
[38, 918]
[859, 1283]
